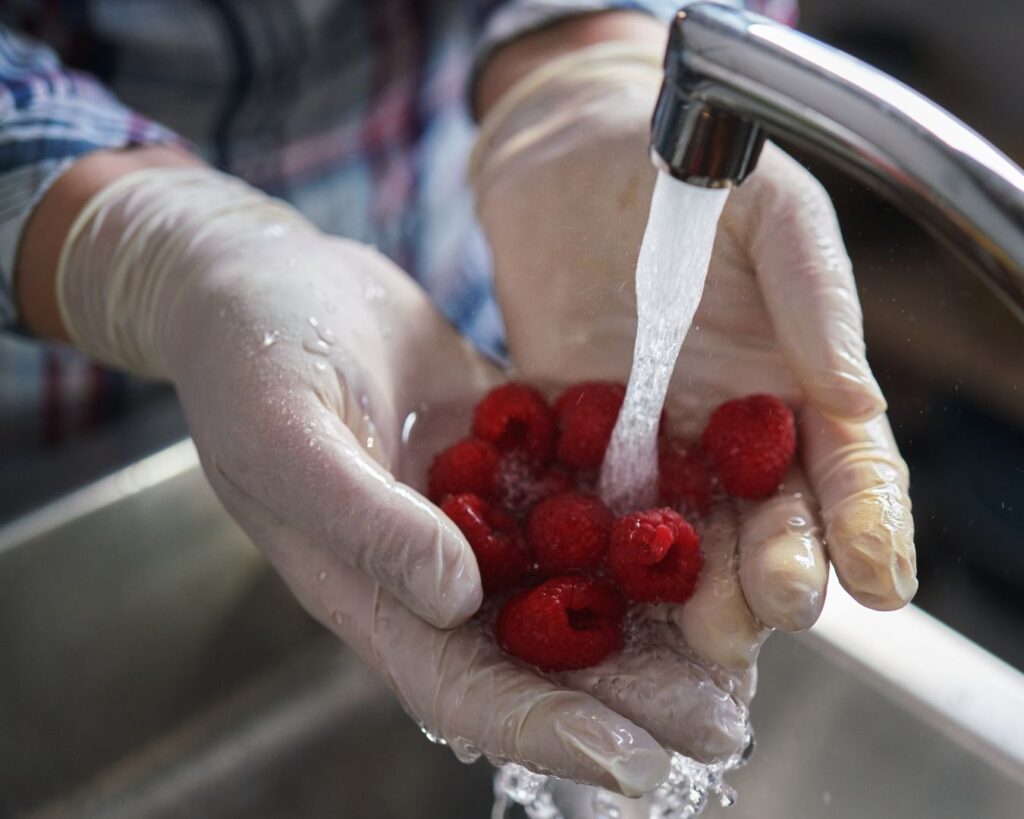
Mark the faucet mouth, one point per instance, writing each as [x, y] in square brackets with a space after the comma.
[702, 145]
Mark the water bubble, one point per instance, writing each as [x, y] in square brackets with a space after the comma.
[321, 366]
[270, 338]
[321, 576]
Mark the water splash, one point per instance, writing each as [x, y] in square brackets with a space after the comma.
[515, 785]
[670, 275]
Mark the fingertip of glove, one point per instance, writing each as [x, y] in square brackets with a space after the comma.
[632, 771]
[871, 539]
[786, 601]
[641, 772]
[449, 592]
[727, 734]
[603, 748]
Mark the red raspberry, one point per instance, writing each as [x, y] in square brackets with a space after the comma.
[564, 623]
[500, 552]
[586, 416]
[683, 475]
[469, 466]
[751, 442]
[516, 417]
[655, 556]
[569, 532]
[521, 486]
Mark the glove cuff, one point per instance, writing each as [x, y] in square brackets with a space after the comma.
[139, 241]
[552, 96]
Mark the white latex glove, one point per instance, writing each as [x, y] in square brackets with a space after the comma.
[563, 184]
[304, 362]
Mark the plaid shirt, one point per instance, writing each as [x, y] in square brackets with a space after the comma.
[352, 110]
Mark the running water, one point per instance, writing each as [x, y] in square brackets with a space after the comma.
[670, 275]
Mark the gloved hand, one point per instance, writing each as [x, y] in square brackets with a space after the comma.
[304, 363]
[563, 183]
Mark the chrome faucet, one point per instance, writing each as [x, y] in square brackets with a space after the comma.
[733, 78]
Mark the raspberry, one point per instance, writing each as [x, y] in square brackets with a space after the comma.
[683, 475]
[569, 532]
[751, 442]
[521, 485]
[469, 466]
[655, 556]
[564, 623]
[500, 552]
[586, 416]
[517, 418]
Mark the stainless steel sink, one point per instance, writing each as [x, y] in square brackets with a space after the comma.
[151, 665]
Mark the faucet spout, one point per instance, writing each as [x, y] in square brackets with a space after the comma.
[733, 78]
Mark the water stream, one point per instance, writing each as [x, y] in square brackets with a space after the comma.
[670, 274]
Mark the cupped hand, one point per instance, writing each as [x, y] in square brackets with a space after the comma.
[305, 364]
[563, 184]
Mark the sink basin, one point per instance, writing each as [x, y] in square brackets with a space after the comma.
[153, 666]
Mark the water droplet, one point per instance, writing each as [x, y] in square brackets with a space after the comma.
[322, 576]
[325, 334]
[270, 338]
[437, 740]
[407, 426]
[321, 366]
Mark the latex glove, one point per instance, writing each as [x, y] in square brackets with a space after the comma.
[303, 363]
[563, 183]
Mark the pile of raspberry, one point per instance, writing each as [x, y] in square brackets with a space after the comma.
[563, 567]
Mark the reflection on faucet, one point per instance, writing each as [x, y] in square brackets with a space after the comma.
[731, 78]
